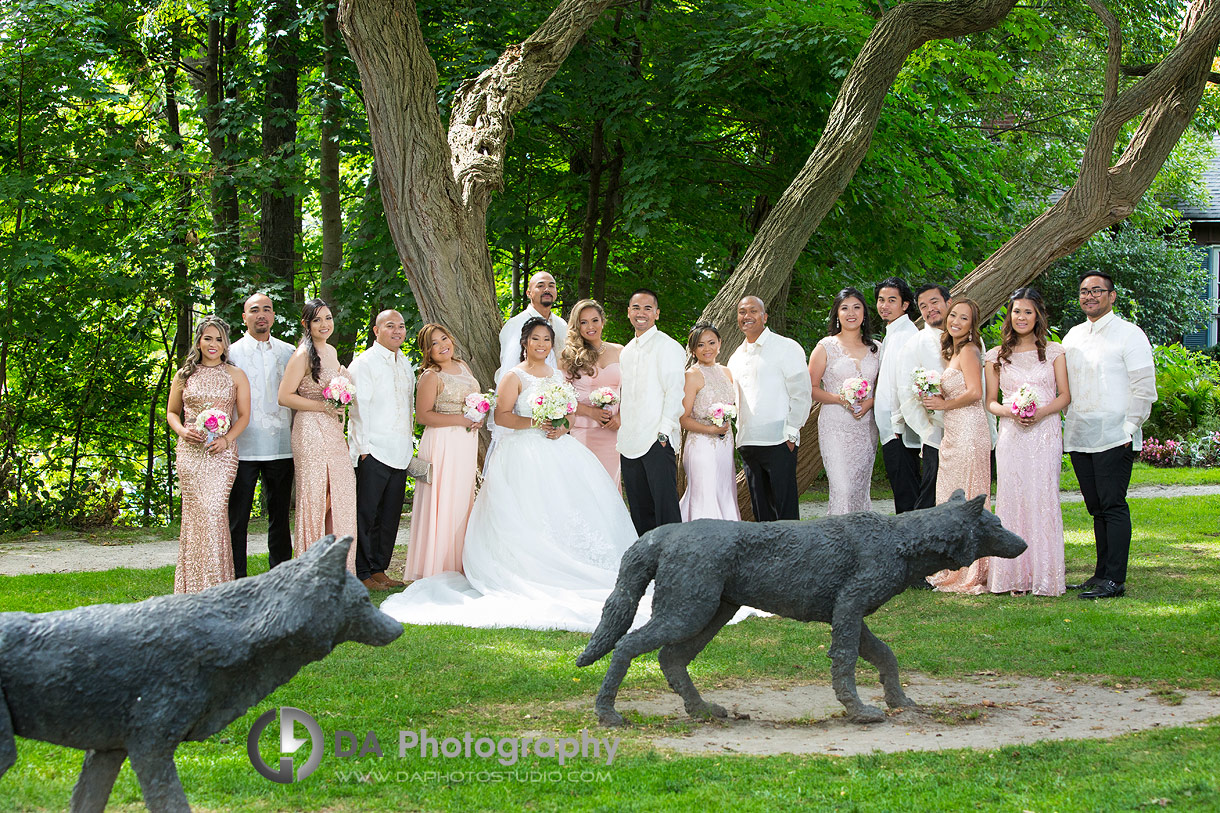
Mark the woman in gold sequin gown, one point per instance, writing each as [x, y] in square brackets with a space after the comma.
[325, 479]
[965, 451]
[206, 468]
[440, 509]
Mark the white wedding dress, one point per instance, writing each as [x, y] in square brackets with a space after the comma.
[543, 542]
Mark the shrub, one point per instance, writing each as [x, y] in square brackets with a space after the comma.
[1186, 392]
[1164, 454]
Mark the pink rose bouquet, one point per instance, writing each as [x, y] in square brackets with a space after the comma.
[340, 391]
[718, 414]
[553, 403]
[478, 404]
[1025, 402]
[855, 390]
[603, 397]
[926, 382]
[214, 422]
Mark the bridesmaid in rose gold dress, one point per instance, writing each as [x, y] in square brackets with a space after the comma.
[965, 452]
[1029, 453]
[440, 509]
[589, 363]
[206, 469]
[325, 479]
[707, 453]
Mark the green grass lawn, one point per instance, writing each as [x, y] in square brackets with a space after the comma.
[499, 683]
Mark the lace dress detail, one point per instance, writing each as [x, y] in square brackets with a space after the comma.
[711, 477]
[325, 479]
[205, 556]
[848, 443]
[965, 463]
[451, 397]
[1028, 462]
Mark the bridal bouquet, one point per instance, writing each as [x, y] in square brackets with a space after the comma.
[855, 390]
[926, 382]
[478, 404]
[603, 397]
[1025, 402]
[212, 421]
[718, 414]
[340, 391]
[553, 403]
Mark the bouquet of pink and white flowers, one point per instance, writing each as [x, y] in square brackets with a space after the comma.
[926, 382]
[553, 403]
[603, 397]
[478, 404]
[1025, 402]
[340, 391]
[214, 422]
[855, 390]
[718, 414]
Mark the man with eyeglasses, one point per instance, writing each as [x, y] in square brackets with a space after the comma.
[1113, 381]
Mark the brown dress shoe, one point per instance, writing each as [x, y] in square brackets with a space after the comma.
[386, 581]
[373, 584]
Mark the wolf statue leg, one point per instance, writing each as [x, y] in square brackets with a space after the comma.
[8, 742]
[665, 627]
[96, 780]
[844, 651]
[874, 650]
[675, 657]
[159, 781]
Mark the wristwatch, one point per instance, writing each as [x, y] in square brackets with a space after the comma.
[662, 437]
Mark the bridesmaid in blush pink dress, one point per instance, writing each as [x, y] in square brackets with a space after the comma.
[589, 364]
[441, 509]
[206, 468]
[965, 451]
[325, 479]
[847, 433]
[707, 455]
[1029, 452]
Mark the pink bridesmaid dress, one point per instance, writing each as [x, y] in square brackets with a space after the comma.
[848, 443]
[591, 434]
[965, 463]
[441, 509]
[1028, 461]
[711, 477]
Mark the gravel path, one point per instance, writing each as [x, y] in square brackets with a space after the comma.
[51, 554]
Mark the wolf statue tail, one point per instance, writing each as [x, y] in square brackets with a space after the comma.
[636, 570]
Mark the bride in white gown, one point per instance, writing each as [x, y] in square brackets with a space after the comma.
[546, 532]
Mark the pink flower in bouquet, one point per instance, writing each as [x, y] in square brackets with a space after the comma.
[603, 397]
[478, 404]
[718, 414]
[855, 390]
[213, 422]
[340, 391]
[1025, 402]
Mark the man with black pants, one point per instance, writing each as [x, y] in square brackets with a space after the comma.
[774, 396]
[1113, 380]
[924, 350]
[899, 443]
[265, 449]
[654, 376]
[380, 441]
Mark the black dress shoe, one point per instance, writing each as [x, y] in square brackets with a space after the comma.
[1104, 589]
[1086, 584]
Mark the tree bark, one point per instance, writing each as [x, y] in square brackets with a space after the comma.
[588, 242]
[226, 239]
[277, 221]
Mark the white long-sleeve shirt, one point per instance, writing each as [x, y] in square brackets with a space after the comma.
[1113, 381]
[382, 419]
[774, 393]
[510, 340]
[269, 434]
[924, 350]
[653, 367]
[887, 403]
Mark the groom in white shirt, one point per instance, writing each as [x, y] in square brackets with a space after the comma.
[899, 443]
[542, 293]
[380, 441]
[774, 396]
[654, 375]
[923, 350]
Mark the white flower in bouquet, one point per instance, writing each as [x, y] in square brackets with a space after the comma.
[718, 414]
[478, 404]
[1025, 402]
[603, 397]
[214, 422]
[855, 390]
[553, 403]
[340, 391]
[926, 382]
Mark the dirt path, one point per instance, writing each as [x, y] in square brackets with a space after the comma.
[51, 554]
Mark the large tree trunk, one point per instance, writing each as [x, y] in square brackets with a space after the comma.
[277, 221]
[436, 186]
[226, 238]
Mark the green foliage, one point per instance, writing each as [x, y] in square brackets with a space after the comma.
[1187, 394]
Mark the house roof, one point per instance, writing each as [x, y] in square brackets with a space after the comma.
[1211, 182]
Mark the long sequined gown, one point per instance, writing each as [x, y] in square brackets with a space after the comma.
[711, 477]
[1028, 462]
[325, 478]
[205, 556]
[440, 509]
[965, 463]
[849, 444]
[592, 435]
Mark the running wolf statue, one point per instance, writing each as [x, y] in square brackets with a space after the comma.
[836, 570]
[134, 680]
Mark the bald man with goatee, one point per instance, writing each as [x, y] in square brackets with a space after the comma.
[380, 441]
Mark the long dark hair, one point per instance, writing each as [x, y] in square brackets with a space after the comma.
[307, 314]
[528, 328]
[1008, 336]
[973, 337]
[195, 356]
[833, 328]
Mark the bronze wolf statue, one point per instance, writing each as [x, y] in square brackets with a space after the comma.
[836, 570]
[134, 680]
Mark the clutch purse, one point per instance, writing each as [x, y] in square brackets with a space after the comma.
[421, 470]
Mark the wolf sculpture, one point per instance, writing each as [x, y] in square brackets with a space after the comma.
[836, 570]
[134, 680]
